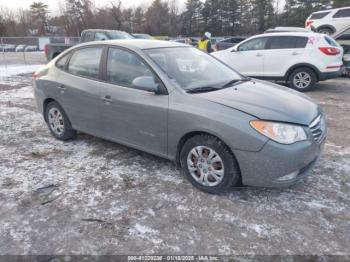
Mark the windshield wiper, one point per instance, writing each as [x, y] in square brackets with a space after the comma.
[236, 81]
[202, 89]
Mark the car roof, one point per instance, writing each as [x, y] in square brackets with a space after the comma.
[306, 34]
[331, 10]
[137, 44]
[102, 30]
[281, 29]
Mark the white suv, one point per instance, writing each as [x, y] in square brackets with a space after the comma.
[300, 59]
[329, 21]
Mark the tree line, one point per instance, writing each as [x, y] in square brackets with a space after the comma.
[162, 17]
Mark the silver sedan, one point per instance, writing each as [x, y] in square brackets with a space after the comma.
[174, 101]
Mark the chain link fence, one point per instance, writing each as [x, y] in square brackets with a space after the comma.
[28, 50]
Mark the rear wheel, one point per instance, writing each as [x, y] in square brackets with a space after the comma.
[208, 164]
[58, 122]
[325, 30]
[302, 79]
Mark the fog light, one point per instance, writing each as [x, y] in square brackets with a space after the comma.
[289, 176]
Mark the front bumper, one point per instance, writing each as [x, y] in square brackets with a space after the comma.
[264, 168]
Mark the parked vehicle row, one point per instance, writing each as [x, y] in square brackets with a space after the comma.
[18, 48]
[175, 101]
[300, 59]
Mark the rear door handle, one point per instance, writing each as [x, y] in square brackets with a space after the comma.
[295, 53]
[259, 55]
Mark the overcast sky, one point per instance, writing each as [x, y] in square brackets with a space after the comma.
[53, 4]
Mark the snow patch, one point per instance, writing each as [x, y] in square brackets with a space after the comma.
[11, 70]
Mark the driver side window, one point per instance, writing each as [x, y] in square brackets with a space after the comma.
[254, 44]
[123, 67]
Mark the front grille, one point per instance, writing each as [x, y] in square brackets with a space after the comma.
[318, 128]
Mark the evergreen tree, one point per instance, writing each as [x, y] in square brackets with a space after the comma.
[39, 12]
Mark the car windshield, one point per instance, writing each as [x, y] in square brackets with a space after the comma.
[119, 35]
[192, 68]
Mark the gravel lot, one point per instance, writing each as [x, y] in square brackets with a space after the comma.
[90, 196]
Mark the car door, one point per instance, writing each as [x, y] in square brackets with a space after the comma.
[131, 116]
[79, 89]
[282, 52]
[341, 19]
[248, 57]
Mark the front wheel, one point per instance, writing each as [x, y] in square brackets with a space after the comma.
[302, 79]
[209, 165]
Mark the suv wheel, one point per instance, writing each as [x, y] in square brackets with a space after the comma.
[325, 30]
[58, 122]
[209, 165]
[302, 79]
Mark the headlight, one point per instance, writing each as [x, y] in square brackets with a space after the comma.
[280, 132]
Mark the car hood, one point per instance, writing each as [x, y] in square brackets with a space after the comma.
[267, 101]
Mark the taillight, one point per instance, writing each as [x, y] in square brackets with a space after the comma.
[46, 49]
[308, 23]
[40, 73]
[330, 50]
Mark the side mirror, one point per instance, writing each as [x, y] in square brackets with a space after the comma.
[146, 83]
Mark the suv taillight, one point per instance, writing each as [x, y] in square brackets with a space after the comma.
[330, 50]
[308, 23]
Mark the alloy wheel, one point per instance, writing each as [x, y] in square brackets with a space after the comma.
[56, 121]
[302, 80]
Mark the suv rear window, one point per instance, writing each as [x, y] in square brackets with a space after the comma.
[330, 41]
[318, 15]
[342, 13]
[287, 42]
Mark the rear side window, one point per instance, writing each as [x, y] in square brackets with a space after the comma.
[254, 44]
[318, 15]
[287, 42]
[342, 13]
[86, 62]
[123, 67]
[61, 63]
[330, 41]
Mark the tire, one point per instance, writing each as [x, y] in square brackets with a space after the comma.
[220, 162]
[325, 30]
[58, 122]
[307, 79]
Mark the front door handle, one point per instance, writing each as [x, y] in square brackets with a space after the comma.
[62, 88]
[107, 99]
[259, 55]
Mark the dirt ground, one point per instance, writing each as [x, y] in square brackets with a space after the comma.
[90, 196]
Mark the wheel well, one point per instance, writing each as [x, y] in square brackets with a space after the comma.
[195, 133]
[46, 102]
[326, 27]
[290, 71]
